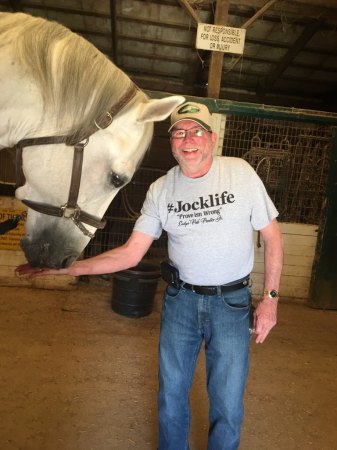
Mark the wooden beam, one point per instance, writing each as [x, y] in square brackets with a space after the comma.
[215, 70]
[299, 44]
[258, 14]
[15, 5]
[249, 22]
[190, 10]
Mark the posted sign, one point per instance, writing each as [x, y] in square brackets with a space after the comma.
[220, 39]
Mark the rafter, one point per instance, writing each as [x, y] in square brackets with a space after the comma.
[300, 43]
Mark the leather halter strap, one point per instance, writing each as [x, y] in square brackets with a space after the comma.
[71, 210]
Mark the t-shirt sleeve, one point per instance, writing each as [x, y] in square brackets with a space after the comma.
[149, 221]
[263, 209]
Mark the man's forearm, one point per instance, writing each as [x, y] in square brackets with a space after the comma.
[107, 262]
[120, 258]
[266, 311]
[273, 257]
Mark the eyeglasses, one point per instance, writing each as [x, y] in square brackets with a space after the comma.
[181, 134]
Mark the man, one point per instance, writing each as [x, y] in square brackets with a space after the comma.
[209, 207]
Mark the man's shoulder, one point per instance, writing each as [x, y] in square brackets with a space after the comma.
[164, 179]
[233, 162]
[167, 177]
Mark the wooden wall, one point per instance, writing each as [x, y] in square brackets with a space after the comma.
[11, 255]
[299, 252]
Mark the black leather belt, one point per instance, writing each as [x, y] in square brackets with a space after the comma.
[215, 290]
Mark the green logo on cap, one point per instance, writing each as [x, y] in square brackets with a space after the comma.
[191, 109]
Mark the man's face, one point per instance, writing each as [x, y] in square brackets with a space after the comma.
[194, 151]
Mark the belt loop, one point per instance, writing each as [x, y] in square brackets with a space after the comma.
[218, 290]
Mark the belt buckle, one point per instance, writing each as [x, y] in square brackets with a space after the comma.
[192, 288]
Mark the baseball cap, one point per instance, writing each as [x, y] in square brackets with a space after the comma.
[197, 112]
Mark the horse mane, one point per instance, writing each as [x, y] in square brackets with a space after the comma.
[78, 83]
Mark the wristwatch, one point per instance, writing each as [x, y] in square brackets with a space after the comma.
[273, 294]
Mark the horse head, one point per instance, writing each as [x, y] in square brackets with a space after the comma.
[110, 159]
[55, 83]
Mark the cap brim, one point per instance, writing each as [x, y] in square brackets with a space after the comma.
[200, 122]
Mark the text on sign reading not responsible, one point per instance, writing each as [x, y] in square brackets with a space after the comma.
[220, 39]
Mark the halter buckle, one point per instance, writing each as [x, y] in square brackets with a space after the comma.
[70, 212]
[105, 121]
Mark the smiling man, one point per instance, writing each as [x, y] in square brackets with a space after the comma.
[209, 207]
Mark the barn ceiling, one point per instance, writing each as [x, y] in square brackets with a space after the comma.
[289, 57]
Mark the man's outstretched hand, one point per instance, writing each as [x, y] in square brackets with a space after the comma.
[34, 272]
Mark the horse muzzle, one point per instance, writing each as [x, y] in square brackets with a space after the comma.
[48, 253]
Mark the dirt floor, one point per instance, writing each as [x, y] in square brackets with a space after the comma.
[76, 376]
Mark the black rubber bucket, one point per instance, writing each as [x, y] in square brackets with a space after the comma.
[134, 290]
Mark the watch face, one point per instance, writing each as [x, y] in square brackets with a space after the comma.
[273, 293]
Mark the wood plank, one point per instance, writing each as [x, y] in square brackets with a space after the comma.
[296, 239]
[10, 207]
[294, 284]
[290, 260]
[298, 271]
[299, 228]
[12, 258]
[11, 254]
[288, 280]
[304, 250]
[38, 283]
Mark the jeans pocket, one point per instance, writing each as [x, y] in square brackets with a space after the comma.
[238, 300]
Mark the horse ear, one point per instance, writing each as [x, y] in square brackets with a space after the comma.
[156, 110]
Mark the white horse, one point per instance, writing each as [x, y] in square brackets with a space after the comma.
[55, 83]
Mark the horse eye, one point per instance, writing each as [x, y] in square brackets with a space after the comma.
[117, 180]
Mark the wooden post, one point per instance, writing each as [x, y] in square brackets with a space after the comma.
[324, 275]
[215, 69]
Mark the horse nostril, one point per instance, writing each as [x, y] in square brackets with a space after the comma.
[68, 261]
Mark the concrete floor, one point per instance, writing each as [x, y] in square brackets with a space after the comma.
[75, 375]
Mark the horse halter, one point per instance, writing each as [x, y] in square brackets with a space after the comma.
[71, 209]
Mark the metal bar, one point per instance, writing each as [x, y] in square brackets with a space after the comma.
[259, 110]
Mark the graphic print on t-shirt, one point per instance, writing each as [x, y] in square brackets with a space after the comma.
[204, 209]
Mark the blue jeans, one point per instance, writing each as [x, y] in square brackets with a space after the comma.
[222, 321]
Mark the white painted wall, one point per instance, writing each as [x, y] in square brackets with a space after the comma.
[218, 125]
[299, 252]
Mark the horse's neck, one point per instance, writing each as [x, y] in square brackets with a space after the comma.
[21, 108]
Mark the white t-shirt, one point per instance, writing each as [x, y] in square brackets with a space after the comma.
[209, 220]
